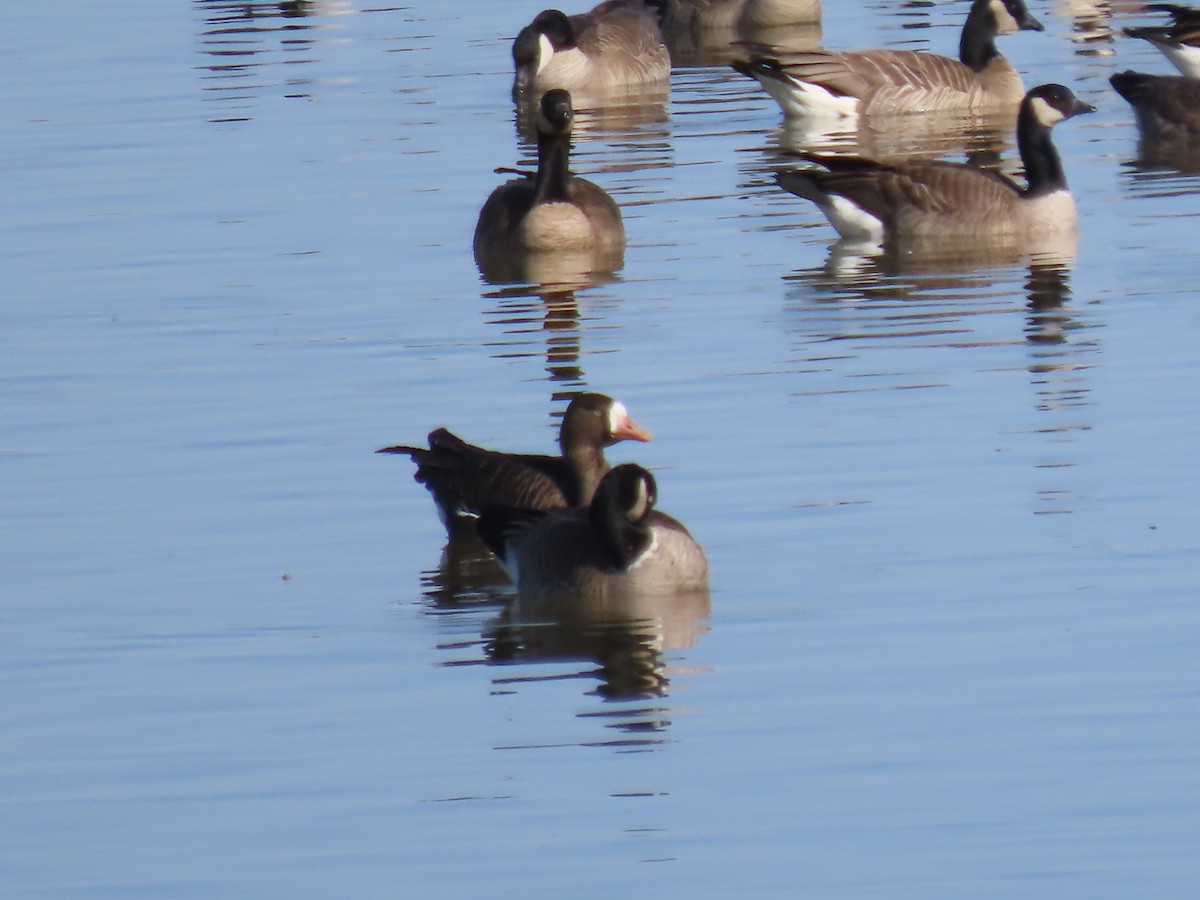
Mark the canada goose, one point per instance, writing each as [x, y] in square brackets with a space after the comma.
[619, 545]
[464, 479]
[1167, 106]
[737, 14]
[869, 201]
[898, 81]
[616, 46]
[551, 210]
[1180, 41]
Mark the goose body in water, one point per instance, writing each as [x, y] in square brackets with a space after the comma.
[824, 83]
[465, 479]
[614, 47]
[872, 202]
[619, 545]
[551, 210]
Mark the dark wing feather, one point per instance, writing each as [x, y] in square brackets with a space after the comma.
[920, 188]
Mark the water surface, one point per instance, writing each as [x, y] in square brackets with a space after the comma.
[949, 505]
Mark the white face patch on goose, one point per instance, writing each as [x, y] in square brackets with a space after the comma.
[545, 51]
[641, 502]
[618, 416]
[1005, 23]
[1044, 112]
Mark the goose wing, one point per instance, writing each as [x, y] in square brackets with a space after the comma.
[865, 73]
[907, 193]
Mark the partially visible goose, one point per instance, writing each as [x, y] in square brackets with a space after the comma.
[868, 201]
[746, 15]
[901, 81]
[1167, 106]
[551, 210]
[465, 479]
[619, 545]
[616, 46]
[1179, 41]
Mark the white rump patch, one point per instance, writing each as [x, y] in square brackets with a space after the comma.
[1183, 57]
[852, 221]
[802, 98]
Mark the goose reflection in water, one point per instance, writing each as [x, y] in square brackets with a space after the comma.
[626, 637]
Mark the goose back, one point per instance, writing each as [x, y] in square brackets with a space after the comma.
[746, 15]
[899, 81]
[1179, 42]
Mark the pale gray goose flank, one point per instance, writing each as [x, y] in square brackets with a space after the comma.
[1179, 42]
[550, 210]
[1167, 106]
[819, 82]
[619, 545]
[869, 201]
[616, 46]
[745, 15]
[465, 479]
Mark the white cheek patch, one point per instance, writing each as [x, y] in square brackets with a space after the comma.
[618, 415]
[1005, 23]
[545, 51]
[1044, 112]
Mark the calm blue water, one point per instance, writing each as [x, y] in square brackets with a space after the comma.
[950, 509]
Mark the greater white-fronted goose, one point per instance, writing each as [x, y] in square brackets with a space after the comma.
[868, 201]
[465, 479]
[614, 47]
[743, 15]
[1167, 106]
[550, 210]
[1179, 41]
[816, 83]
[618, 545]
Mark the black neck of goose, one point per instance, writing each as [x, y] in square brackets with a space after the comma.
[1043, 167]
[554, 171]
[977, 46]
[623, 538]
[589, 466]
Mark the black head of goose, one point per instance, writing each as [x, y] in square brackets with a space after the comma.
[824, 83]
[616, 46]
[550, 210]
[1179, 42]
[465, 479]
[871, 202]
[619, 545]
[1167, 106]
